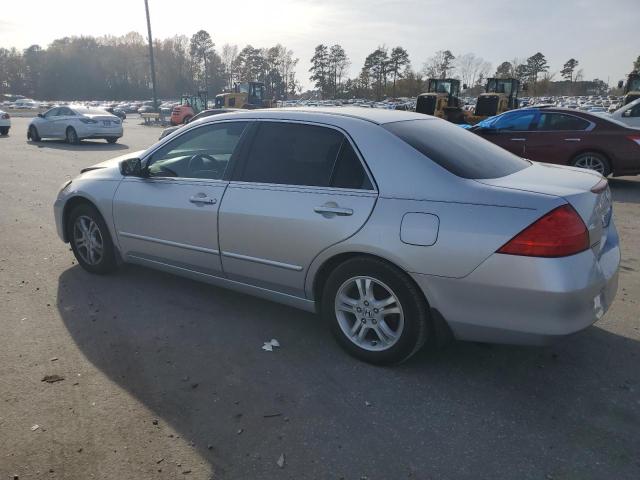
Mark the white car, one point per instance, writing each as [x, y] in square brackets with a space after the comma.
[629, 114]
[5, 123]
[75, 123]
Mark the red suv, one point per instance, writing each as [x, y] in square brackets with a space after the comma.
[566, 137]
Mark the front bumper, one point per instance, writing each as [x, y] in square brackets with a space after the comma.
[525, 300]
[58, 208]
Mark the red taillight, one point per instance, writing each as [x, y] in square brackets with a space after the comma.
[634, 138]
[559, 233]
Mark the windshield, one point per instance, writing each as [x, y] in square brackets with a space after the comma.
[461, 152]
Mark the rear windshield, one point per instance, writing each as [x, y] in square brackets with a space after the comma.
[461, 152]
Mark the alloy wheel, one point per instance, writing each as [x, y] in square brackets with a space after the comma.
[87, 239]
[591, 162]
[369, 313]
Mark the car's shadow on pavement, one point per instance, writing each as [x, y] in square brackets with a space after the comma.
[84, 145]
[625, 190]
[192, 354]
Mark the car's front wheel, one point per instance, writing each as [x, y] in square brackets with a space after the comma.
[593, 161]
[90, 240]
[4, 130]
[72, 136]
[375, 311]
[32, 134]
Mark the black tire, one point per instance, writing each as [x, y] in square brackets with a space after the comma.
[111, 139]
[107, 262]
[4, 131]
[33, 135]
[417, 322]
[72, 136]
[595, 158]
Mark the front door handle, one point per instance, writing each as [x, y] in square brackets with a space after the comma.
[203, 200]
[571, 139]
[517, 139]
[330, 210]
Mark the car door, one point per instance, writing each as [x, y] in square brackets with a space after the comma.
[45, 125]
[62, 120]
[299, 189]
[557, 137]
[171, 216]
[511, 131]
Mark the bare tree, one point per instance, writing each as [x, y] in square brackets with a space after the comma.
[471, 68]
[229, 55]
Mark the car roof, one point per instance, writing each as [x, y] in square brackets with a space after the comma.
[374, 115]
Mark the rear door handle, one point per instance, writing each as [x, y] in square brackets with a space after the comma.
[330, 211]
[517, 139]
[571, 139]
[203, 200]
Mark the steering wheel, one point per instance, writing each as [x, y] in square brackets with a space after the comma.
[196, 162]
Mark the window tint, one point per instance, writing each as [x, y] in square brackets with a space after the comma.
[515, 121]
[635, 111]
[557, 121]
[349, 172]
[463, 153]
[292, 154]
[202, 152]
[65, 111]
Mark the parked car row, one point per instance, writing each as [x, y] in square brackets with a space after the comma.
[5, 123]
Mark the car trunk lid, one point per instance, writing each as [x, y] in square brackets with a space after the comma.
[582, 189]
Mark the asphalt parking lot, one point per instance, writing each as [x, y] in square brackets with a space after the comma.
[165, 378]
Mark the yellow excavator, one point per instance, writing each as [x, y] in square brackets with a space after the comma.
[442, 99]
[501, 94]
[631, 88]
[247, 95]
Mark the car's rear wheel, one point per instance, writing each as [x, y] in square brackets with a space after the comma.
[33, 134]
[375, 311]
[4, 130]
[90, 240]
[593, 161]
[72, 136]
[112, 139]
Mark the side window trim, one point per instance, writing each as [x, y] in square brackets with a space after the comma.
[236, 176]
[145, 160]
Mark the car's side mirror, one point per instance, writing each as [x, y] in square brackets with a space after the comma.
[132, 167]
[626, 113]
[620, 84]
[41, 115]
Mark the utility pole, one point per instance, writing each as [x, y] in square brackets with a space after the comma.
[153, 67]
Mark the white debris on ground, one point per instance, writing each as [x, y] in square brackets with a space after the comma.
[268, 346]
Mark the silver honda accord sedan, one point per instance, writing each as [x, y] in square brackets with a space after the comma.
[399, 229]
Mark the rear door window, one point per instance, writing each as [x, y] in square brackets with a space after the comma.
[292, 154]
[550, 121]
[461, 152]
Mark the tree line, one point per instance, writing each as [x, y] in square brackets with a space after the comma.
[117, 67]
[389, 73]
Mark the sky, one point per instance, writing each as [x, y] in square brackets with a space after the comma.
[602, 36]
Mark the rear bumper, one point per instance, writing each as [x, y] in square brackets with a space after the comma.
[106, 132]
[525, 300]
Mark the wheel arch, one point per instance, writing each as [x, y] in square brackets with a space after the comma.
[72, 203]
[442, 333]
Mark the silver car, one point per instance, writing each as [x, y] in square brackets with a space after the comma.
[397, 227]
[75, 123]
